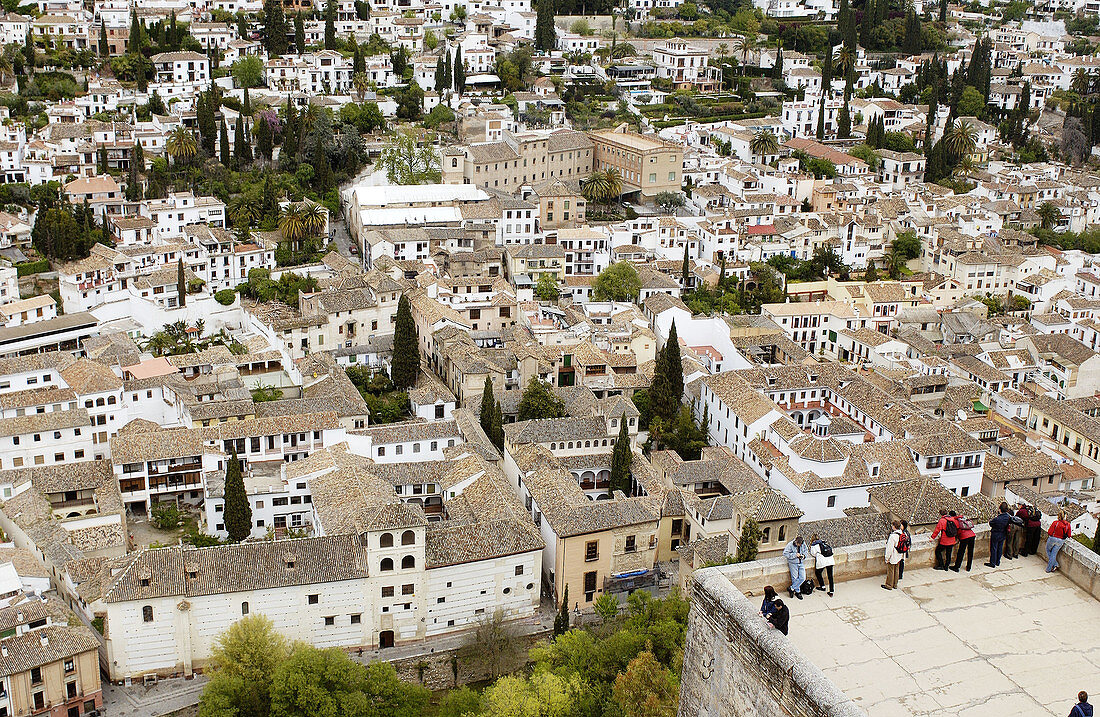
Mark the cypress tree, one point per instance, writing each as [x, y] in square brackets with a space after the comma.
[290, 132]
[263, 139]
[106, 228]
[181, 282]
[748, 545]
[28, 52]
[237, 513]
[357, 63]
[330, 26]
[685, 269]
[777, 70]
[661, 403]
[322, 170]
[208, 127]
[447, 80]
[674, 366]
[299, 34]
[267, 197]
[439, 74]
[621, 458]
[912, 43]
[223, 145]
[104, 48]
[821, 119]
[459, 72]
[561, 620]
[274, 28]
[242, 144]
[545, 34]
[246, 106]
[173, 36]
[135, 41]
[242, 26]
[827, 70]
[497, 436]
[844, 122]
[943, 10]
[405, 364]
[487, 401]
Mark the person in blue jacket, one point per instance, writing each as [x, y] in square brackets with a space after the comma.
[796, 554]
[768, 606]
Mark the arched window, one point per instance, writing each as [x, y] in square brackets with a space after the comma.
[408, 538]
[408, 562]
[782, 532]
[147, 613]
[111, 400]
[99, 401]
[387, 564]
[386, 541]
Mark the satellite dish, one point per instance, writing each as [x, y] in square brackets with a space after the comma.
[960, 415]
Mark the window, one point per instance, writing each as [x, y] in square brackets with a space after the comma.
[70, 665]
[766, 536]
[831, 502]
[408, 538]
[147, 613]
[407, 589]
[313, 599]
[631, 545]
[408, 562]
[591, 551]
[387, 591]
[387, 565]
[589, 586]
[782, 532]
[356, 619]
[386, 541]
[519, 570]
[330, 620]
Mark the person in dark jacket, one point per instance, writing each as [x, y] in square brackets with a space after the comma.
[768, 606]
[966, 544]
[904, 556]
[1034, 530]
[781, 618]
[1022, 514]
[1082, 708]
[1015, 535]
[998, 535]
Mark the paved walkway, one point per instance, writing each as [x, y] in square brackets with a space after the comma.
[163, 698]
[993, 642]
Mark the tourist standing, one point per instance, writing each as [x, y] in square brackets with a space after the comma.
[1082, 708]
[966, 541]
[947, 532]
[1016, 530]
[824, 561]
[904, 548]
[1057, 534]
[998, 535]
[796, 555]
[894, 556]
[1022, 515]
[1034, 529]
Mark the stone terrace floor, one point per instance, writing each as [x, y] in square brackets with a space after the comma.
[989, 643]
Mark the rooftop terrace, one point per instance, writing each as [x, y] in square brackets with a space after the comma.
[988, 642]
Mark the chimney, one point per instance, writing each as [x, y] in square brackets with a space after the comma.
[45, 641]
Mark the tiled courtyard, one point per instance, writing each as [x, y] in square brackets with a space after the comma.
[1004, 642]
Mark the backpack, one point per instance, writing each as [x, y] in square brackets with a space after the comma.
[951, 529]
[964, 523]
[807, 587]
[904, 542]
[825, 548]
[1033, 515]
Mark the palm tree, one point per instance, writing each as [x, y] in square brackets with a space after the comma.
[893, 261]
[313, 218]
[243, 210]
[291, 225]
[361, 83]
[1081, 81]
[594, 188]
[962, 138]
[1048, 215]
[965, 168]
[845, 60]
[745, 46]
[764, 143]
[614, 183]
[181, 145]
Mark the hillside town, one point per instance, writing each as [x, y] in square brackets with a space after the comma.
[383, 324]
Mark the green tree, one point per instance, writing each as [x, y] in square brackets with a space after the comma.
[561, 620]
[544, 694]
[618, 282]
[248, 71]
[440, 75]
[972, 103]
[685, 268]
[491, 416]
[104, 48]
[538, 401]
[299, 34]
[459, 72]
[242, 149]
[223, 144]
[646, 688]
[545, 35]
[673, 364]
[547, 288]
[181, 282]
[606, 606]
[237, 512]
[275, 40]
[407, 163]
[330, 25]
[621, 458]
[495, 646]
[1048, 214]
[244, 660]
[748, 545]
[844, 122]
[264, 139]
[406, 349]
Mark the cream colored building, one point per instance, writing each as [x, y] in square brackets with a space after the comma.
[648, 165]
[520, 159]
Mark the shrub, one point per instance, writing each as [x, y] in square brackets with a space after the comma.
[226, 297]
[166, 516]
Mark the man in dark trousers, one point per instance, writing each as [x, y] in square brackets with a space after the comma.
[1034, 529]
[1022, 514]
[947, 531]
[781, 618]
[998, 535]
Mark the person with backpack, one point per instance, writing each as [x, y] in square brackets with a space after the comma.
[903, 548]
[998, 535]
[1082, 708]
[966, 542]
[1057, 534]
[824, 561]
[1034, 529]
[796, 554]
[768, 606]
[894, 555]
[781, 618]
[1022, 514]
[1017, 527]
[947, 531]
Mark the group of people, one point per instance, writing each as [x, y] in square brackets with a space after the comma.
[798, 554]
[1014, 533]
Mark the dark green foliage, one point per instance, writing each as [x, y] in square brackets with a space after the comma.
[406, 350]
[440, 77]
[459, 72]
[260, 286]
[748, 545]
[275, 30]
[181, 282]
[621, 458]
[58, 235]
[237, 512]
[104, 48]
[225, 297]
[539, 401]
[242, 150]
[561, 620]
[330, 25]
[491, 417]
[263, 138]
[545, 35]
[223, 144]
[386, 404]
[844, 122]
[300, 34]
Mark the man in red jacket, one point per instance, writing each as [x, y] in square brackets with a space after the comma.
[946, 542]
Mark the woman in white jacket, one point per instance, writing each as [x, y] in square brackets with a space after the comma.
[895, 553]
[822, 562]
